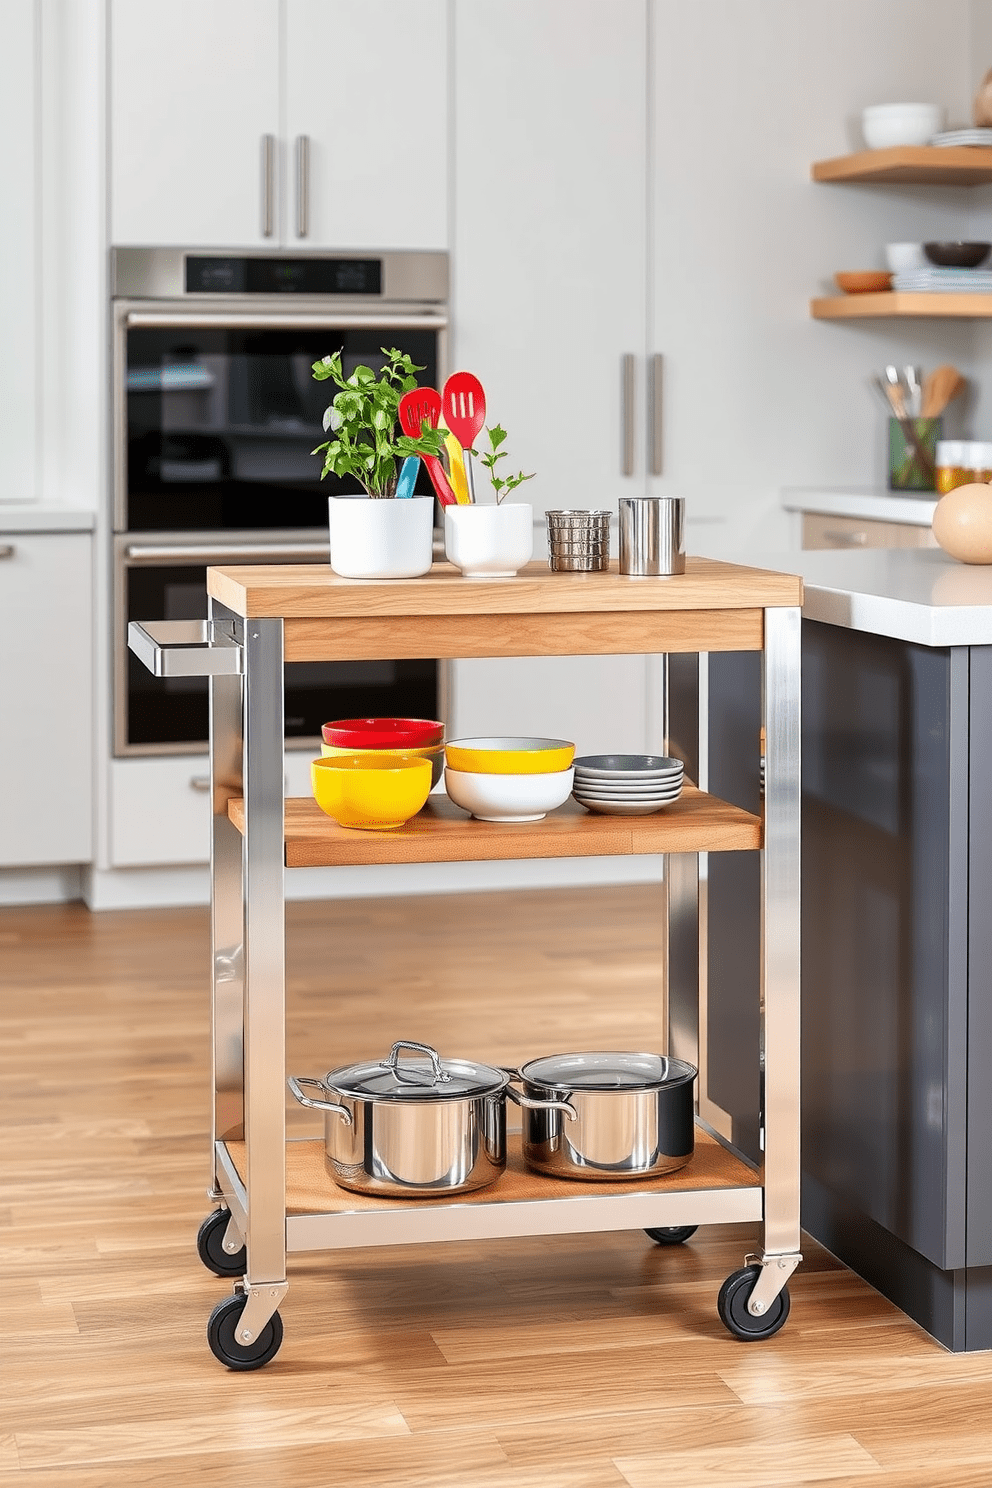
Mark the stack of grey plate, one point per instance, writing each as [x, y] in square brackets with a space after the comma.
[627, 784]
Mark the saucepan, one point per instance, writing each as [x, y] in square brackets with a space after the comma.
[607, 1116]
[427, 1125]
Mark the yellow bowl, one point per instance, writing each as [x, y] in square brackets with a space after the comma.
[510, 756]
[372, 791]
[432, 752]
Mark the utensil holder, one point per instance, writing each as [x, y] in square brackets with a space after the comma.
[652, 536]
[913, 453]
[578, 541]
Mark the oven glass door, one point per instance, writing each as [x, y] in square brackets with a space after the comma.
[161, 715]
[220, 422]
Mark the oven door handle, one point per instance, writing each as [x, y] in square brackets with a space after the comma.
[291, 320]
[185, 648]
[138, 553]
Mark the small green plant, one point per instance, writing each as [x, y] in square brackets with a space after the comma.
[502, 485]
[361, 421]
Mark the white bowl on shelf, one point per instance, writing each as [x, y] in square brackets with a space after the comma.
[885, 125]
[905, 258]
[508, 798]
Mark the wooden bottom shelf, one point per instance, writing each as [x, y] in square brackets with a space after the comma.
[442, 833]
[898, 302]
[310, 1189]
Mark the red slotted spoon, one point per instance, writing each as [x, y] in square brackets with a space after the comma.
[418, 407]
[464, 406]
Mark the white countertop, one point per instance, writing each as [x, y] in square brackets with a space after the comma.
[912, 594]
[44, 516]
[869, 505]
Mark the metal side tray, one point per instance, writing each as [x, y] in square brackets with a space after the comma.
[186, 648]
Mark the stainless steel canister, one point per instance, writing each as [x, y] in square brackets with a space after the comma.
[632, 1115]
[652, 536]
[578, 541]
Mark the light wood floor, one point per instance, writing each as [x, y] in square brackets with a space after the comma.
[581, 1361]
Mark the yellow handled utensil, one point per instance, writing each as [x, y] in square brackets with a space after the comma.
[456, 470]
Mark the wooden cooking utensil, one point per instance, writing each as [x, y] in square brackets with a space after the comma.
[464, 403]
[418, 407]
[940, 387]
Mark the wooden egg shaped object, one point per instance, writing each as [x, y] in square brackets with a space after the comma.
[962, 523]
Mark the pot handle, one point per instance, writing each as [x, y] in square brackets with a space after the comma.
[439, 1075]
[294, 1084]
[538, 1105]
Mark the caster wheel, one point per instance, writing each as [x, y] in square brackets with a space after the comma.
[210, 1247]
[672, 1234]
[222, 1336]
[732, 1307]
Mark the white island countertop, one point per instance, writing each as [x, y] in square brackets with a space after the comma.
[911, 594]
[863, 504]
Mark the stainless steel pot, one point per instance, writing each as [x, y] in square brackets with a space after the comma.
[631, 1115]
[423, 1126]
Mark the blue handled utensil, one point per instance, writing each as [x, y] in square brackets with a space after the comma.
[408, 477]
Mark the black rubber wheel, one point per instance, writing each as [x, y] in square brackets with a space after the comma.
[222, 1336]
[209, 1245]
[732, 1307]
[672, 1234]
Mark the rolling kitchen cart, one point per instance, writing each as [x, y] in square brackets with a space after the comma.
[276, 1197]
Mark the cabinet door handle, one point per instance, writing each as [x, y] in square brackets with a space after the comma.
[847, 539]
[654, 414]
[200, 782]
[302, 185]
[627, 414]
[268, 184]
[7, 550]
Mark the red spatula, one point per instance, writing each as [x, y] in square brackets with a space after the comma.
[418, 407]
[464, 405]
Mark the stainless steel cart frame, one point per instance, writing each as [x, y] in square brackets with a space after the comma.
[245, 659]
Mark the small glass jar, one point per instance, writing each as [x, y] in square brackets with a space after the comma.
[951, 468]
[978, 459]
[912, 453]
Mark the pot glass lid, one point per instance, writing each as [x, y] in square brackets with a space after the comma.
[418, 1076]
[608, 1071]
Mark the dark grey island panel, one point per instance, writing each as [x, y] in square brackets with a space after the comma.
[897, 1119]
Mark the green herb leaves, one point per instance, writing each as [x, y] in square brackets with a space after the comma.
[362, 422]
[502, 485]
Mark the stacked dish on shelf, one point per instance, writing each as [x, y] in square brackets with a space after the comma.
[422, 737]
[508, 779]
[627, 784]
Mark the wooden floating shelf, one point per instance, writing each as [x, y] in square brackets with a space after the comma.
[925, 165]
[311, 1190]
[892, 304]
[441, 833]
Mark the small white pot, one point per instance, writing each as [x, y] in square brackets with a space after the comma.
[385, 539]
[489, 542]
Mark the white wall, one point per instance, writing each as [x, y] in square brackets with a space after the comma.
[758, 395]
[19, 371]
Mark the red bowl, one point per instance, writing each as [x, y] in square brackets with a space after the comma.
[382, 733]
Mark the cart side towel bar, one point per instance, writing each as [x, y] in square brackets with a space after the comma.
[185, 648]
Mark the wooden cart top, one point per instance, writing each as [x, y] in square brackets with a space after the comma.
[315, 592]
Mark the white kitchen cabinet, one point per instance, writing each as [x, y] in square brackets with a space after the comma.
[46, 698]
[194, 90]
[19, 307]
[197, 86]
[366, 97]
[550, 241]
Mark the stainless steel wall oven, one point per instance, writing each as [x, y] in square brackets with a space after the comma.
[215, 415]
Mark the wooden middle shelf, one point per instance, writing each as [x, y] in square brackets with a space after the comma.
[441, 833]
[926, 165]
[893, 303]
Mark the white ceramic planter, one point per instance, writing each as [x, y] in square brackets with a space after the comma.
[385, 539]
[489, 542]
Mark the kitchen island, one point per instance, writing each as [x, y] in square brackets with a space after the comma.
[897, 921]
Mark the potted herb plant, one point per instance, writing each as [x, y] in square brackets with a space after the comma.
[491, 541]
[378, 537]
